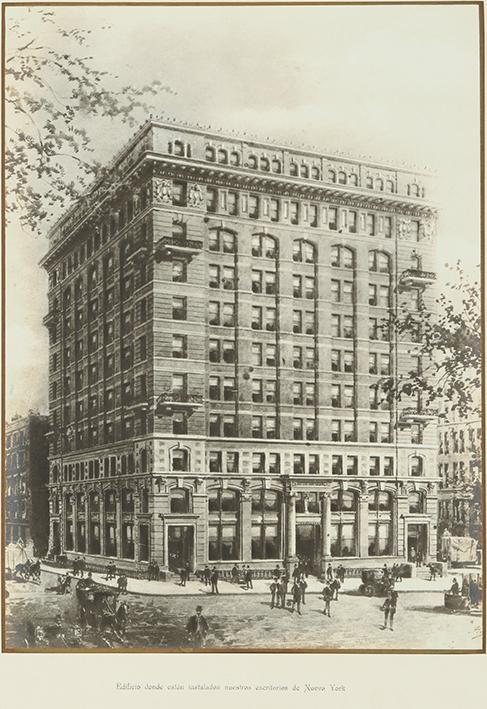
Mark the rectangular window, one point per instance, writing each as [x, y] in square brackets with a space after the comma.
[335, 291]
[388, 227]
[347, 326]
[347, 292]
[373, 363]
[270, 355]
[336, 430]
[349, 431]
[256, 281]
[228, 315]
[352, 222]
[229, 389]
[294, 212]
[373, 331]
[258, 463]
[335, 326]
[297, 321]
[309, 395]
[270, 392]
[270, 319]
[388, 465]
[214, 388]
[257, 395]
[313, 468]
[384, 297]
[310, 358]
[274, 210]
[214, 350]
[352, 465]
[336, 361]
[297, 393]
[229, 351]
[274, 463]
[256, 317]
[179, 346]
[374, 465]
[232, 462]
[332, 218]
[213, 276]
[179, 424]
[271, 427]
[298, 429]
[232, 203]
[178, 271]
[336, 465]
[256, 426]
[297, 357]
[253, 206]
[373, 432]
[310, 429]
[348, 361]
[213, 313]
[370, 224]
[309, 323]
[335, 396]
[179, 308]
[298, 464]
[385, 364]
[229, 429]
[257, 354]
[348, 397]
[297, 286]
[270, 283]
[385, 432]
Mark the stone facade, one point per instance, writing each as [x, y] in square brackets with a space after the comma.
[217, 318]
[26, 503]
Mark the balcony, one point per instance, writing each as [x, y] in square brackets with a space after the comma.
[51, 319]
[140, 253]
[137, 401]
[172, 401]
[415, 278]
[168, 247]
[411, 416]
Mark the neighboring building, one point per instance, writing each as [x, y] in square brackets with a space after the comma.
[27, 507]
[216, 346]
[459, 467]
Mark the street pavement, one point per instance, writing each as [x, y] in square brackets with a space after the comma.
[245, 620]
[194, 587]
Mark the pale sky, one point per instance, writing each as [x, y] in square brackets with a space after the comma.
[395, 83]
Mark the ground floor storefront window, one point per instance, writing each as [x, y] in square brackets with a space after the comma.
[266, 517]
[224, 520]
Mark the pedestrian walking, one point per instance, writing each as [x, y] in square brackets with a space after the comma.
[335, 587]
[235, 573]
[303, 586]
[197, 628]
[122, 617]
[214, 580]
[274, 587]
[187, 571]
[327, 597]
[433, 572]
[276, 574]
[296, 572]
[207, 575]
[465, 590]
[122, 583]
[182, 577]
[329, 573]
[155, 571]
[389, 607]
[248, 579]
[296, 596]
[283, 591]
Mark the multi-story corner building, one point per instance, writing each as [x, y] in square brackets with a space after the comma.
[218, 319]
[26, 463]
[459, 467]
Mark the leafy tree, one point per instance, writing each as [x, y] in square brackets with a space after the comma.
[449, 346]
[52, 92]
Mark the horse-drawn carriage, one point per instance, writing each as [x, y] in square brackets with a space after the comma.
[27, 571]
[97, 606]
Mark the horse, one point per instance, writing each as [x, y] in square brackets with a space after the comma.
[35, 570]
[22, 571]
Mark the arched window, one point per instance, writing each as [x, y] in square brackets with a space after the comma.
[416, 466]
[264, 245]
[276, 166]
[180, 460]
[379, 184]
[222, 156]
[223, 517]
[341, 257]
[304, 251]
[353, 179]
[180, 500]
[379, 262]
[380, 523]
[415, 262]
[389, 186]
[210, 153]
[179, 231]
[415, 502]
[332, 176]
[94, 501]
[110, 501]
[222, 240]
[342, 178]
[293, 169]
[266, 518]
[315, 173]
[127, 500]
[304, 171]
[369, 183]
[265, 164]
[252, 162]
[344, 523]
[234, 158]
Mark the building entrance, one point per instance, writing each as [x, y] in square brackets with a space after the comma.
[417, 542]
[180, 546]
[308, 545]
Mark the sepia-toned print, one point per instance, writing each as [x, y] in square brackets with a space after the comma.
[243, 371]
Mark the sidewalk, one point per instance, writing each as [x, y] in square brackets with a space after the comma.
[195, 587]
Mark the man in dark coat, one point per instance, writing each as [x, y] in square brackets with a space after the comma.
[327, 597]
[214, 580]
[198, 628]
[248, 578]
[296, 596]
[283, 590]
[329, 573]
[274, 590]
[303, 586]
[207, 575]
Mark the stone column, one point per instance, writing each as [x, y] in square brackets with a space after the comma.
[102, 521]
[135, 528]
[75, 521]
[118, 522]
[325, 529]
[291, 527]
[363, 526]
[87, 522]
[402, 508]
[246, 527]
